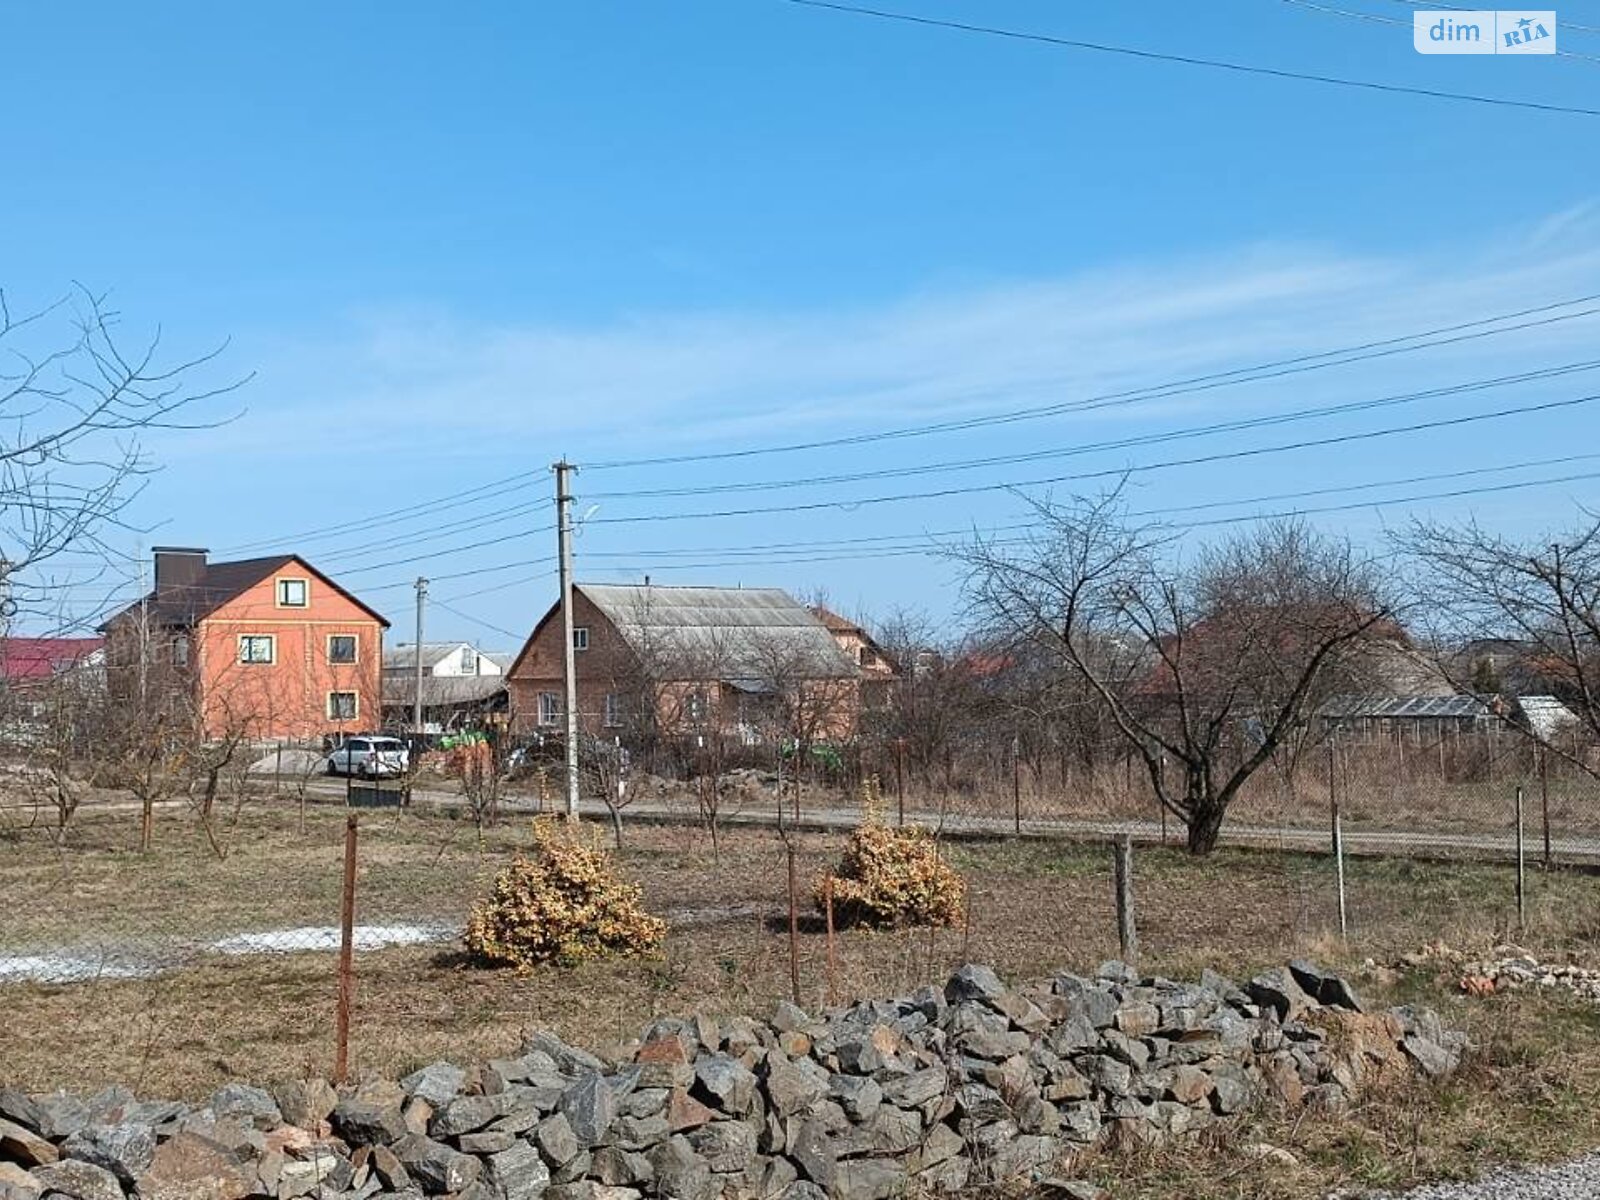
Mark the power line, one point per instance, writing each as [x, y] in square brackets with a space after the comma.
[1298, 364]
[1182, 434]
[478, 620]
[1220, 64]
[1223, 456]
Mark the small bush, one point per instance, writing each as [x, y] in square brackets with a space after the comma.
[893, 877]
[564, 903]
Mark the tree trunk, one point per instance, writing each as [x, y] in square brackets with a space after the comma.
[1205, 824]
[616, 825]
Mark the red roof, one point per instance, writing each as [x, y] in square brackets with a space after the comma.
[42, 658]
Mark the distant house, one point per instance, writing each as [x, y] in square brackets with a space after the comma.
[37, 672]
[268, 648]
[463, 687]
[878, 672]
[750, 663]
[28, 661]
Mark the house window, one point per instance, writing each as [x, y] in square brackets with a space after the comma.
[342, 648]
[293, 593]
[580, 638]
[469, 661]
[696, 708]
[549, 708]
[342, 706]
[613, 711]
[257, 648]
[180, 651]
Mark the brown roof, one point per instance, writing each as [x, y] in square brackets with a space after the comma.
[220, 583]
[836, 623]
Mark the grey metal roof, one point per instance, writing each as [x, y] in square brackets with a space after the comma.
[728, 633]
[400, 689]
[433, 653]
[1459, 707]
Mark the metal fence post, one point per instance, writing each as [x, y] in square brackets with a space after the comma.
[1337, 830]
[1544, 801]
[833, 963]
[794, 929]
[1522, 870]
[1127, 931]
[347, 921]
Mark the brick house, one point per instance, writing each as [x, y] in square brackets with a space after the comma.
[878, 671]
[748, 663]
[267, 647]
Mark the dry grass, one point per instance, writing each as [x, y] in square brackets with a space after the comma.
[1035, 908]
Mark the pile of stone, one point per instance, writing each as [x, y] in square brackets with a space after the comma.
[1511, 968]
[938, 1091]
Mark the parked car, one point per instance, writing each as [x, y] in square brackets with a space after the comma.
[370, 757]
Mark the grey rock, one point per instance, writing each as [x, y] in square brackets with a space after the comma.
[972, 982]
[438, 1084]
[789, 1088]
[813, 1152]
[485, 1142]
[860, 1097]
[568, 1059]
[60, 1115]
[578, 1189]
[468, 1114]
[388, 1169]
[1080, 1121]
[726, 1146]
[125, 1150]
[516, 1174]
[1232, 1090]
[1434, 1060]
[788, 1017]
[724, 1083]
[556, 1141]
[639, 1133]
[680, 1173]
[306, 1102]
[867, 1179]
[364, 1124]
[301, 1177]
[436, 1166]
[574, 1170]
[78, 1180]
[18, 1184]
[21, 1109]
[1277, 990]
[1324, 987]
[616, 1167]
[589, 1108]
[22, 1145]
[915, 1089]
[246, 1103]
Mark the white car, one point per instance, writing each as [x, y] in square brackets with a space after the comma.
[371, 757]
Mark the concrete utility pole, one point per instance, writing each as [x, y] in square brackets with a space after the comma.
[416, 702]
[569, 658]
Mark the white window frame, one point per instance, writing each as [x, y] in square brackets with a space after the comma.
[698, 706]
[580, 638]
[272, 649]
[180, 650]
[355, 707]
[305, 591]
[611, 711]
[355, 655]
[549, 710]
[473, 651]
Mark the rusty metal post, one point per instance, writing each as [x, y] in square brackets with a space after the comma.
[794, 929]
[833, 962]
[347, 922]
[1522, 870]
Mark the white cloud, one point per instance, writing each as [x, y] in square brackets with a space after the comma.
[669, 379]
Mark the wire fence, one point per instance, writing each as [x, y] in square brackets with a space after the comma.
[216, 952]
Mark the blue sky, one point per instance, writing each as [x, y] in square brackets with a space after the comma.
[455, 245]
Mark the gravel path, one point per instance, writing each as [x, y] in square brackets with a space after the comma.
[1578, 1180]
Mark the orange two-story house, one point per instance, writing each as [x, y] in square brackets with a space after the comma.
[264, 648]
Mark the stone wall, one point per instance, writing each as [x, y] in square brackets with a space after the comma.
[932, 1092]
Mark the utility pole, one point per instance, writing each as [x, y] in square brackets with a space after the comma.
[416, 699]
[569, 658]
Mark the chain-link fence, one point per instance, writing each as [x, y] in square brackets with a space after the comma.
[215, 952]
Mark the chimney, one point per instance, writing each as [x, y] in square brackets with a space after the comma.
[179, 567]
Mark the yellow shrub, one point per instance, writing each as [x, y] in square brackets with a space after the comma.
[564, 903]
[893, 877]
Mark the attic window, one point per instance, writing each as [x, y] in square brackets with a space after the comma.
[580, 638]
[293, 593]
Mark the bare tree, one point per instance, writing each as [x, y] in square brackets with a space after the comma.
[1204, 668]
[74, 402]
[1541, 596]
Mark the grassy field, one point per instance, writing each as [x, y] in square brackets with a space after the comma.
[1035, 908]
